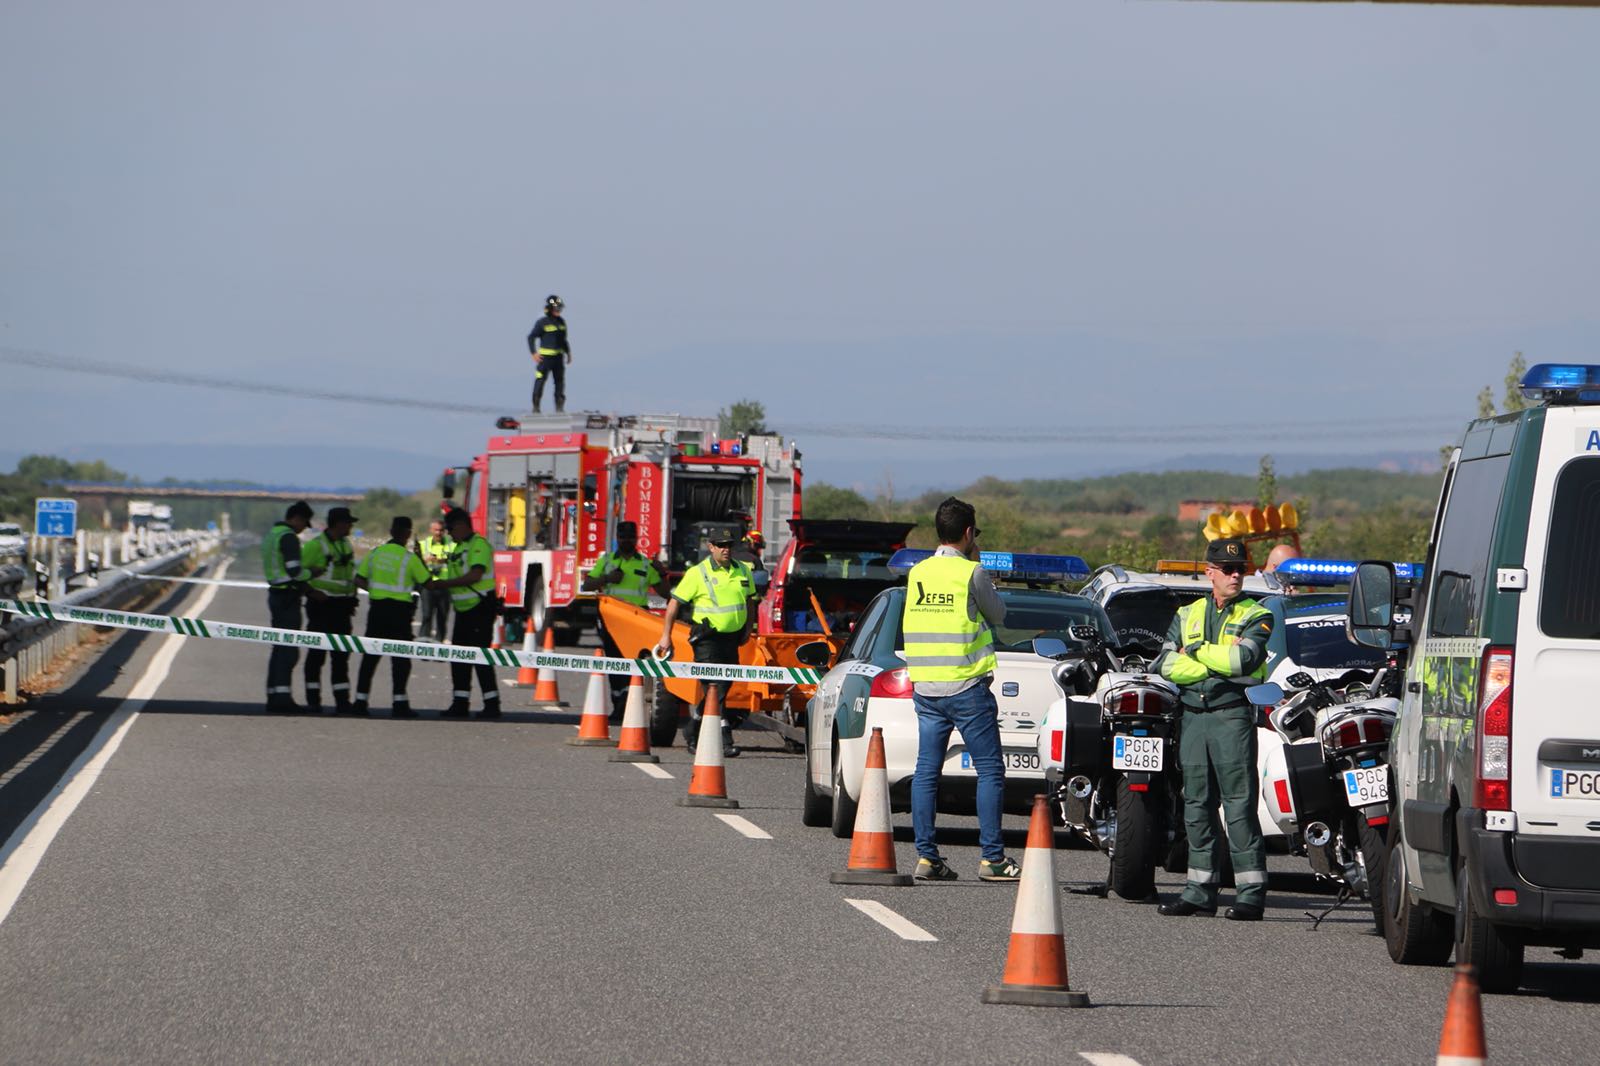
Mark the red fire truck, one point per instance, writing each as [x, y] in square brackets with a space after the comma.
[550, 489]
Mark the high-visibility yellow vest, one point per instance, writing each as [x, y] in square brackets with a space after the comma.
[436, 552]
[273, 564]
[635, 585]
[332, 564]
[719, 598]
[943, 643]
[467, 554]
[1224, 659]
[392, 572]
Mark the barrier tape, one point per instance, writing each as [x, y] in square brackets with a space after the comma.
[223, 583]
[644, 666]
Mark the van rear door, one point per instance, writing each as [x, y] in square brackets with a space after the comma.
[1555, 712]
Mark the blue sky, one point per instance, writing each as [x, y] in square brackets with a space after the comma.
[1336, 220]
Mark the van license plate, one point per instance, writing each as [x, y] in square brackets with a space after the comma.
[1575, 784]
[1136, 753]
[1370, 784]
[1013, 760]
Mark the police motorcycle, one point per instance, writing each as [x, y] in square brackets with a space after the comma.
[1109, 745]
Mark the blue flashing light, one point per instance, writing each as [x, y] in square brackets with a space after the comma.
[736, 451]
[1335, 571]
[1562, 383]
[716, 447]
[1018, 566]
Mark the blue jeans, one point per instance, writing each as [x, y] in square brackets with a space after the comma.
[975, 715]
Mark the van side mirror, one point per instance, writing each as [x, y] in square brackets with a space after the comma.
[1370, 606]
[817, 654]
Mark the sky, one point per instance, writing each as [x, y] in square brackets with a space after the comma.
[1125, 233]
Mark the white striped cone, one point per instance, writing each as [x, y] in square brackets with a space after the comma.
[1036, 964]
[594, 728]
[633, 739]
[872, 842]
[527, 676]
[708, 783]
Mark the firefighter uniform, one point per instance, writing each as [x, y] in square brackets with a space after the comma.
[718, 599]
[476, 608]
[639, 576]
[331, 562]
[1213, 655]
[285, 576]
[547, 343]
[391, 573]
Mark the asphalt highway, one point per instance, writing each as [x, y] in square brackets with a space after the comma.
[239, 887]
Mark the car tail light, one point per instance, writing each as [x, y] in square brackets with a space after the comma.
[775, 604]
[1491, 789]
[1057, 742]
[892, 684]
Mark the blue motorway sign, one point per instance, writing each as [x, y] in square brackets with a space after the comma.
[55, 518]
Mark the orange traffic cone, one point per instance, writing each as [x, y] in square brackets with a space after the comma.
[544, 690]
[528, 676]
[872, 842]
[497, 635]
[1036, 965]
[633, 741]
[1461, 1041]
[594, 728]
[708, 785]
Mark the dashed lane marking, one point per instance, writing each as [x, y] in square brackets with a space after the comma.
[1107, 1058]
[653, 770]
[745, 826]
[903, 928]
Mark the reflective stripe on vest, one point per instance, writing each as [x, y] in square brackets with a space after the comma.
[722, 603]
[1241, 613]
[634, 587]
[470, 553]
[943, 641]
[337, 561]
[385, 570]
[436, 546]
[273, 565]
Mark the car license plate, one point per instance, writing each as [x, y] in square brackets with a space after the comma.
[1370, 784]
[1575, 784]
[1013, 760]
[1136, 753]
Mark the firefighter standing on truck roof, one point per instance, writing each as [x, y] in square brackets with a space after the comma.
[717, 592]
[551, 352]
[1216, 648]
[471, 585]
[280, 563]
[330, 561]
[390, 573]
[628, 576]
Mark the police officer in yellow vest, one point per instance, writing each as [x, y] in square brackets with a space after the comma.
[471, 586]
[330, 562]
[435, 550]
[951, 605]
[390, 573]
[1215, 649]
[285, 575]
[629, 577]
[717, 593]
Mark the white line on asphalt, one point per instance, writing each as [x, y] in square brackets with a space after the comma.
[900, 927]
[653, 770]
[745, 826]
[25, 850]
[1107, 1058]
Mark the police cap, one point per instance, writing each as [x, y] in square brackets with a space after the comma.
[299, 508]
[1226, 550]
[341, 514]
[627, 529]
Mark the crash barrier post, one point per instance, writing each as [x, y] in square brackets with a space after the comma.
[1036, 963]
[545, 690]
[594, 727]
[1461, 1040]
[708, 784]
[872, 841]
[633, 740]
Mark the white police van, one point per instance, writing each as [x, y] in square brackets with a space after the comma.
[1496, 755]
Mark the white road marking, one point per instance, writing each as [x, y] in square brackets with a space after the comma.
[1107, 1058]
[653, 770]
[745, 826]
[900, 927]
[25, 850]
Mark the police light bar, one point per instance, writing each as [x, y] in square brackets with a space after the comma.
[1017, 566]
[1562, 383]
[1334, 571]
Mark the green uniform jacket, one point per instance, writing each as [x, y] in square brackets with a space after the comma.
[1213, 656]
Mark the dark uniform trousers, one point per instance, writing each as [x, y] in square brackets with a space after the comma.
[550, 366]
[283, 608]
[474, 629]
[336, 614]
[721, 649]
[387, 620]
[618, 682]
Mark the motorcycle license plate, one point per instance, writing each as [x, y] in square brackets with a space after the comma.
[1136, 753]
[1013, 760]
[1369, 784]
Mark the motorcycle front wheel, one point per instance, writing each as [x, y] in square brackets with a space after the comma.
[1141, 840]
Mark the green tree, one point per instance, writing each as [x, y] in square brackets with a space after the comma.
[744, 416]
[1267, 483]
[822, 500]
[1514, 400]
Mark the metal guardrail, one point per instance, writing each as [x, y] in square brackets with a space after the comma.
[28, 645]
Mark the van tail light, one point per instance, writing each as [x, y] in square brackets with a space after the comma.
[892, 685]
[1491, 787]
[1057, 742]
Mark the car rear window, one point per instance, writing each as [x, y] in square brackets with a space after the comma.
[841, 564]
[1569, 602]
[1142, 616]
[1319, 643]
